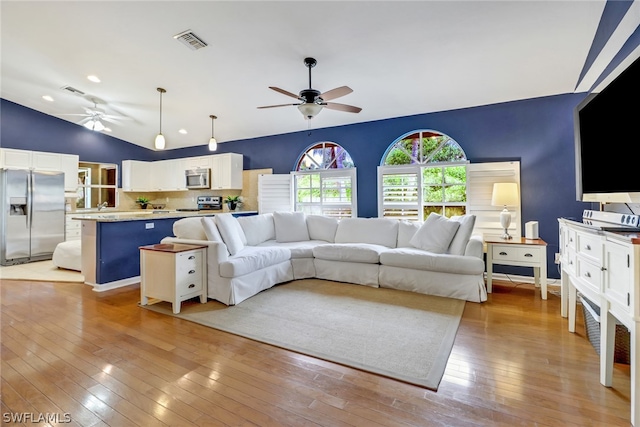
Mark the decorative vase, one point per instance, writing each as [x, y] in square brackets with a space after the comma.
[232, 206]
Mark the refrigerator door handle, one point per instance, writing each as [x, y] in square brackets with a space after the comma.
[29, 200]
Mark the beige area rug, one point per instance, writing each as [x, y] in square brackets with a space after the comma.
[40, 270]
[398, 334]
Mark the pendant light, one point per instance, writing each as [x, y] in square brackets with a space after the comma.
[160, 143]
[213, 144]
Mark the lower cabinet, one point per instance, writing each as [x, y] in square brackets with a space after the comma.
[173, 273]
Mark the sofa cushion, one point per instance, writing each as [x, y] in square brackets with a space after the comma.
[435, 234]
[211, 229]
[252, 259]
[406, 230]
[290, 226]
[298, 249]
[350, 252]
[231, 232]
[257, 228]
[418, 259]
[322, 227]
[375, 231]
[189, 228]
[461, 238]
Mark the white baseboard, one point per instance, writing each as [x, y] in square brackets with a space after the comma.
[114, 285]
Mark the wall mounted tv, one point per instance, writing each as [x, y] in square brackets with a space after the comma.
[607, 137]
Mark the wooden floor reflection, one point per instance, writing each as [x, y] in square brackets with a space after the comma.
[102, 360]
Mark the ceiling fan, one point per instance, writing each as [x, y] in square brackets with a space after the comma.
[312, 101]
[93, 118]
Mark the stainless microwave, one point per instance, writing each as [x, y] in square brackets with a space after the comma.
[198, 178]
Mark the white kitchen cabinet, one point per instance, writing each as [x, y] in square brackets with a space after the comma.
[18, 159]
[200, 162]
[72, 230]
[226, 171]
[136, 175]
[43, 161]
[167, 175]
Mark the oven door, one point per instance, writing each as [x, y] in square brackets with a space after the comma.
[197, 178]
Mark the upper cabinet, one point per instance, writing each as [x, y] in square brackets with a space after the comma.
[43, 161]
[136, 175]
[226, 171]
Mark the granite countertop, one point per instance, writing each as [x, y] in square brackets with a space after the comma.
[115, 216]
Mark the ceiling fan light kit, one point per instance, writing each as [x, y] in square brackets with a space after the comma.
[159, 141]
[94, 125]
[313, 101]
[213, 144]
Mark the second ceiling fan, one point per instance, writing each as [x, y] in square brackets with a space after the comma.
[313, 101]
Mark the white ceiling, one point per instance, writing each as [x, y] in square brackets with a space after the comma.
[400, 58]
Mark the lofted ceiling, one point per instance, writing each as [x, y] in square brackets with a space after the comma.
[400, 58]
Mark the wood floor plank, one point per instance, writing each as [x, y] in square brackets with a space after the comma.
[107, 361]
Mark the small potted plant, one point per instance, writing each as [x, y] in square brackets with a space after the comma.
[232, 202]
[143, 202]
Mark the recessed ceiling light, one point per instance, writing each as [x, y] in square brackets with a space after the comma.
[183, 131]
[47, 98]
[94, 79]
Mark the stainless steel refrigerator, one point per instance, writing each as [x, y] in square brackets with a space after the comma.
[33, 221]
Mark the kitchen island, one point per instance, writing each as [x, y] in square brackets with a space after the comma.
[111, 242]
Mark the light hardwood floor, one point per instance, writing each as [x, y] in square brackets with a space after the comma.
[104, 361]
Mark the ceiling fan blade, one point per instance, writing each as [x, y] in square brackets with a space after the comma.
[279, 105]
[342, 107]
[284, 92]
[83, 115]
[336, 93]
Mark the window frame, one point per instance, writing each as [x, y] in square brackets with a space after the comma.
[325, 175]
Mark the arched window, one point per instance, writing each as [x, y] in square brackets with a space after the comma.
[324, 155]
[324, 181]
[421, 172]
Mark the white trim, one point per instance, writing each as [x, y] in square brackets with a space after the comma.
[114, 285]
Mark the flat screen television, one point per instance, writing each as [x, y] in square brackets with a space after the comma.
[607, 140]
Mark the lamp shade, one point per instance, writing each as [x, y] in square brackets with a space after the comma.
[213, 144]
[94, 125]
[309, 110]
[159, 142]
[505, 194]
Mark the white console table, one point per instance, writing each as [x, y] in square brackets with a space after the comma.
[605, 268]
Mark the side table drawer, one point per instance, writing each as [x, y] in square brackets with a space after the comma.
[519, 254]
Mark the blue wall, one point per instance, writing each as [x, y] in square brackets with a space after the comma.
[537, 132]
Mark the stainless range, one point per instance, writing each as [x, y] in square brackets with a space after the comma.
[209, 202]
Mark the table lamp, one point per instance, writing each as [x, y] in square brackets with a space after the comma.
[505, 194]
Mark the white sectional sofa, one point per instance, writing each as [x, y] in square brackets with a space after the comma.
[247, 255]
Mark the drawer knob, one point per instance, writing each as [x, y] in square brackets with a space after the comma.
[192, 285]
[588, 247]
[503, 253]
[191, 271]
[603, 269]
[192, 257]
[528, 255]
[587, 274]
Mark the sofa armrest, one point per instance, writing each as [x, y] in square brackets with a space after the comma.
[216, 251]
[475, 247]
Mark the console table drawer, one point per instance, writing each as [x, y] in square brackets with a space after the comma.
[589, 274]
[590, 246]
[569, 262]
[518, 254]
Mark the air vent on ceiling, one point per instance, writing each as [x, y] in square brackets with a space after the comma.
[190, 40]
[73, 90]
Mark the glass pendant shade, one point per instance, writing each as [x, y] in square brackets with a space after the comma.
[160, 142]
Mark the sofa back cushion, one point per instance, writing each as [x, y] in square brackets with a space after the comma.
[290, 227]
[189, 228]
[258, 228]
[406, 230]
[231, 232]
[377, 231]
[211, 229]
[436, 234]
[322, 228]
[462, 236]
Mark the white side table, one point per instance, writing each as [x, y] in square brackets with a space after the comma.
[519, 252]
[173, 272]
